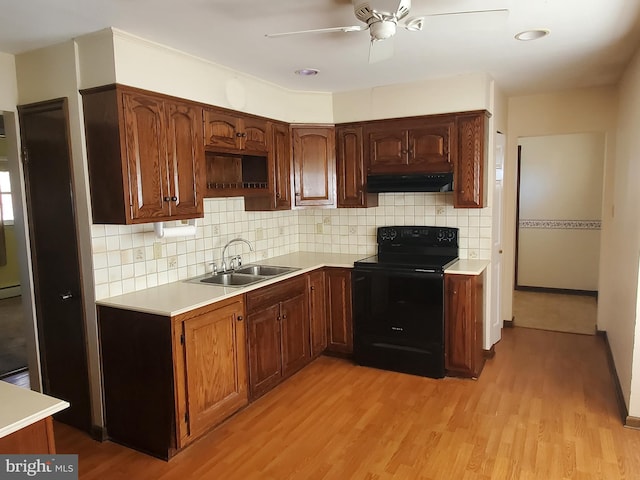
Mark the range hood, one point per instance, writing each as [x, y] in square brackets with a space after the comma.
[415, 182]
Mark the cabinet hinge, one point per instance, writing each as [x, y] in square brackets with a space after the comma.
[182, 339]
[25, 155]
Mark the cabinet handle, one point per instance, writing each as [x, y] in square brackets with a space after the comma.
[239, 318]
[167, 199]
[66, 296]
[313, 288]
[238, 134]
[297, 194]
[278, 318]
[174, 199]
[284, 317]
[277, 195]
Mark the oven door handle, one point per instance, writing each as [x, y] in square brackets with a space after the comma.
[402, 272]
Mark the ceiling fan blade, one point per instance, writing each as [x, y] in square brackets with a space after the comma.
[380, 50]
[351, 28]
[496, 10]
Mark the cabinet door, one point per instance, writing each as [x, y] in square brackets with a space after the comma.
[281, 152]
[185, 158]
[254, 135]
[294, 324]
[146, 153]
[265, 367]
[463, 324]
[279, 174]
[317, 313]
[430, 147]
[215, 366]
[314, 165]
[222, 131]
[469, 168]
[351, 170]
[339, 321]
[387, 149]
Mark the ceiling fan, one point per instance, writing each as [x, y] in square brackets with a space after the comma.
[381, 18]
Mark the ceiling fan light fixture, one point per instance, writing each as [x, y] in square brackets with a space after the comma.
[414, 24]
[307, 72]
[382, 30]
[534, 34]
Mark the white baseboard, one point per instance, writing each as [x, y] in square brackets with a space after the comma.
[9, 292]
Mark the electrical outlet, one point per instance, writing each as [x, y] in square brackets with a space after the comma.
[216, 229]
[319, 228]
[259, 233]
[157, 250]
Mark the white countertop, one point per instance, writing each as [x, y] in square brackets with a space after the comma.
[467, 267]
[180, 297]
[22, 407]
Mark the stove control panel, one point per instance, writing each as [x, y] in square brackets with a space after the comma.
[418, 236]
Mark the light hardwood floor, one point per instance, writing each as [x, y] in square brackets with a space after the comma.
[543, 408]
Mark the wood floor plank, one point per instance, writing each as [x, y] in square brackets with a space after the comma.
[543, 408]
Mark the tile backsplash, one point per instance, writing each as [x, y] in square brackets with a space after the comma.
[127, 258]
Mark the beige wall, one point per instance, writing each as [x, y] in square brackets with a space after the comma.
[8, 82]
[618, 300]
[566, 112]
[561, 180]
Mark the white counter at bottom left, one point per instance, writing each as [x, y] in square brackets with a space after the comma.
[25, 420]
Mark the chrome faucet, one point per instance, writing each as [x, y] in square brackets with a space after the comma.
[237, 258]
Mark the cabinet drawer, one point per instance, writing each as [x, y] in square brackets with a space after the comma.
[275, 293]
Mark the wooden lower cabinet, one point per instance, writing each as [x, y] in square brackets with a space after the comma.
[317, 312]
[339, 316]
[36, 438]
[210, 367]
[167, 380]
[278, 333]
[464, 309]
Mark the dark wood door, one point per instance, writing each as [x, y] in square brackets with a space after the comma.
[55, 259]
[185, 158]
[265, 367]
[146, 149]
[294, 324]
[314, 165]
[317, 313]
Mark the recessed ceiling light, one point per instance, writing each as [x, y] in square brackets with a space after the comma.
[307, 72]
[532, 34]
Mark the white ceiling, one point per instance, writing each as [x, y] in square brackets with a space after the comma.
[589, 44]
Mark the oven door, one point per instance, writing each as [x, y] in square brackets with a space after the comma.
[398, 317]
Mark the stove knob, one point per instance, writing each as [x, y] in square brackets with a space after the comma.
[392, 234]
[440, 235]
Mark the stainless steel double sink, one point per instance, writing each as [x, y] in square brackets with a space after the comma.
[243, 276]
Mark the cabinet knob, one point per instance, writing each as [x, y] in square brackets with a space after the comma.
[313, 288]
[174, 199]
[239, 318]
[238, 134]
[284, 317]
[167, 199]
[297, 194]
[277, 195]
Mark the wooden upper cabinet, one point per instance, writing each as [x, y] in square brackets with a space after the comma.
[351, 169]
[470, 172]
[411, 146]
[145, 156]
[314, 166]
[279, 174]
[229, 132]
[211, 368]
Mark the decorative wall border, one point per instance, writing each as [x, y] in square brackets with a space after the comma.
[561, 224]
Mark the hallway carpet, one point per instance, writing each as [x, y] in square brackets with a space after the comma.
[554, 311]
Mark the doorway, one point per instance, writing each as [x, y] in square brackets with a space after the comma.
[54, 255]
[560, 185]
